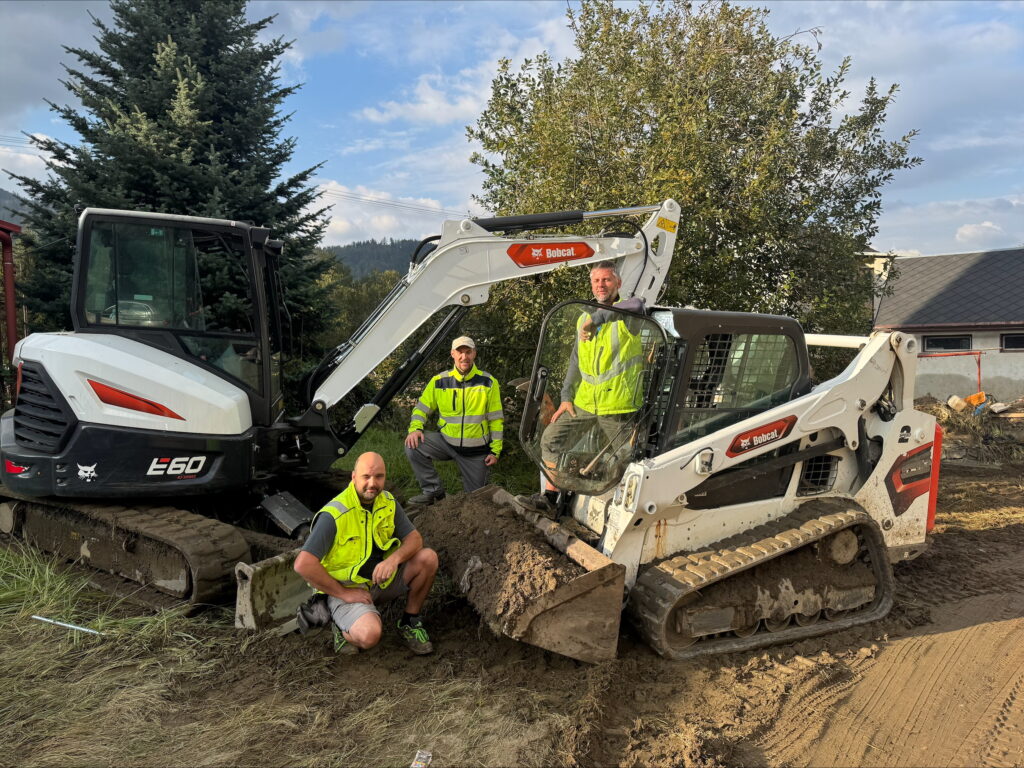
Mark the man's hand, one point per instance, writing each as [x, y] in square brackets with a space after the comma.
[385, 570]
[356, 595]
[565, 406]
[491, 460]
[587, 329]
[413, 439]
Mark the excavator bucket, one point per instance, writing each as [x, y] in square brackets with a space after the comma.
[527, 576]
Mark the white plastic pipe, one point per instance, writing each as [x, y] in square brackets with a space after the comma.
[835, 340]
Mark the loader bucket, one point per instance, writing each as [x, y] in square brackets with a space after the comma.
[576, 617]
[269, 592]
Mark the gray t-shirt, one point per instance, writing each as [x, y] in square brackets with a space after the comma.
[321, 538]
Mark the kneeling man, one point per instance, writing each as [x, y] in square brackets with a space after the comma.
[363, 551]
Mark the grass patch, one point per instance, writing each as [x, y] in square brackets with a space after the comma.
[514, 471]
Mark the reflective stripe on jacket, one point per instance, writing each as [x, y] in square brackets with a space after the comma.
[611, 363]
[469, 413]
[356, 531]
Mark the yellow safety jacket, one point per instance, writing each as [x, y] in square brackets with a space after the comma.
[357, 530]
[469, 413]
[611, 363]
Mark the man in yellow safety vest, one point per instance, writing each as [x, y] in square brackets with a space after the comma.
[604, 380]
[363, 551]
[471, 421]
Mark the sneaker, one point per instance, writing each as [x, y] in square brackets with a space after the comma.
[426, 499]
[538, 502]
[415, 637]
[343, 647]
[313, 614]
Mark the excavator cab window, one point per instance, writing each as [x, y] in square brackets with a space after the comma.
[600, 367]
[152, 275]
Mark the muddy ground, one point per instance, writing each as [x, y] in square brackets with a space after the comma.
[939, 682]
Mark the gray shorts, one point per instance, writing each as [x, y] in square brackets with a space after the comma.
[346, 614]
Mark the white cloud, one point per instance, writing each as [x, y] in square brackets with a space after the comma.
[958, 226]
[22, 163]
[980, 236]
[437, 99]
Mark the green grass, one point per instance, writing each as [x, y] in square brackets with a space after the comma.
[514, 472]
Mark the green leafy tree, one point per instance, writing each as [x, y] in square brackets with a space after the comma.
[779, 179]
[180, 113]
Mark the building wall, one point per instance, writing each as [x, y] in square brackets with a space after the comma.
[1002, 373]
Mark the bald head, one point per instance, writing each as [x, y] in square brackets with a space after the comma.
[368, 476]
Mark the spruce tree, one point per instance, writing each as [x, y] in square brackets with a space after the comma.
[180, 113]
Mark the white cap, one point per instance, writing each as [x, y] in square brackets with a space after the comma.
[463, 341]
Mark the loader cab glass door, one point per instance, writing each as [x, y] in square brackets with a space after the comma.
[193, 282]
[599, 367]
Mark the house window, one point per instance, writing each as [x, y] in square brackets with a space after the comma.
[947, 343]
[1011, 342]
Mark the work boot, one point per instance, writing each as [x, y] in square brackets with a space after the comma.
[313, 614]
[415, 637]
[425, 499]
[343, 647]
[538, 502]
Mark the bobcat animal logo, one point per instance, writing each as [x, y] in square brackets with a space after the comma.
[87, 473]
[538, 253]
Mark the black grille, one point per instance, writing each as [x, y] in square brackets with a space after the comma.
[42, 419]
[819, 475]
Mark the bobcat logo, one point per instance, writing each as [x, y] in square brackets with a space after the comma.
[87, 473]
[538, 253]
[744, 443]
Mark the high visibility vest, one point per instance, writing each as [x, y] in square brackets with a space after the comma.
[356, 532]
[611, 363]
[469, 412]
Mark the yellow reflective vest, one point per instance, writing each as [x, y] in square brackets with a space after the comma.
[356, 532]
[610, 363]
[469, 413]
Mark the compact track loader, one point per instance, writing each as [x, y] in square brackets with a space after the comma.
[735, 507]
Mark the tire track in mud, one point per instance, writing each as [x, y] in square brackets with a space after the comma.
[926, 700]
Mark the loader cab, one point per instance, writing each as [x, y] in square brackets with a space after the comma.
[204, 290]
[645, 385]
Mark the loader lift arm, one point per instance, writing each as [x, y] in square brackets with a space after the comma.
[458, 273]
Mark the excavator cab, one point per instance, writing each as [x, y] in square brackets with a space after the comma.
[204, 290]
[607, 364]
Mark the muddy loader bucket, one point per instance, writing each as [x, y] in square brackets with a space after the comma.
[527, 576]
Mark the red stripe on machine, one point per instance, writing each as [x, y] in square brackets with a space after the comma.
[121, 399]
[758, 436]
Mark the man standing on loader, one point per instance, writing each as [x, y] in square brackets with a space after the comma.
[468, 403]
[603, 385]
[363, 551]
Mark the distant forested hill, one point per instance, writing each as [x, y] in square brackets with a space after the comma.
[7, 206]
[366, 256]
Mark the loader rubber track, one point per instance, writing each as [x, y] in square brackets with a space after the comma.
[666, 586]
[107, 538]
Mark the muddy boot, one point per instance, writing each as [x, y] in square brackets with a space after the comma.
[542, 503]
[343, 647]
[425, 499]
[313, 614]
[415, 637]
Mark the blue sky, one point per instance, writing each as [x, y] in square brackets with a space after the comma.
[388, 88]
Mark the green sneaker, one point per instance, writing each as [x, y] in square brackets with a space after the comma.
[341, 645]
[415, 637]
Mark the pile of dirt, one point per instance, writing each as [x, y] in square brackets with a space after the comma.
[497, 559]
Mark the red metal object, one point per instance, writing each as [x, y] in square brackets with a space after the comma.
[959, 354]
[6, 230]
[933, 490]
[532, 254]
[758, 436]
[114, 396]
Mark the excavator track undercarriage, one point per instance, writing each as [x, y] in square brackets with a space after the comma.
[170, 551]
[820, 569]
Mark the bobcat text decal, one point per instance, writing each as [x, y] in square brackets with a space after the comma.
[755, 438]
[532, 254]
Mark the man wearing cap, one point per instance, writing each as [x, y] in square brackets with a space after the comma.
[469, 415]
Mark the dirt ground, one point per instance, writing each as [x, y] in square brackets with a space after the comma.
[939, 682]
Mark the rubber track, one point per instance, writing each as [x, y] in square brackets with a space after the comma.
[211, 548]
[659, 589]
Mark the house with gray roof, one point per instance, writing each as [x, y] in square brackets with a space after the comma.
[967, 312]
